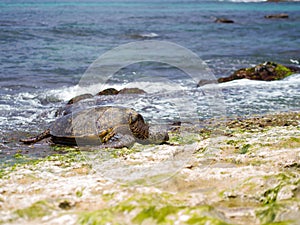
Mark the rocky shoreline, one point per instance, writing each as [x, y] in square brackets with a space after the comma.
[246, 174]
[267, 71]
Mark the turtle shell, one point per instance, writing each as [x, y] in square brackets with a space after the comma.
[89, 124]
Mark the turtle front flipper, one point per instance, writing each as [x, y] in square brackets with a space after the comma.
[119, 141]
[37, 138]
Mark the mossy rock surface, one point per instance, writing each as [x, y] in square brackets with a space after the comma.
[267, 71]
[247, 174]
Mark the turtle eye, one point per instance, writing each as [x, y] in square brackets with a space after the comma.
[131, 118]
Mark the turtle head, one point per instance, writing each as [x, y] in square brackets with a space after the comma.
[158, 134]
[155, 134]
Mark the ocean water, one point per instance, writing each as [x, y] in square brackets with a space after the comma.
[47, 46]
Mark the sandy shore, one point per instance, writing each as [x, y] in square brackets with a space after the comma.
[247, 173]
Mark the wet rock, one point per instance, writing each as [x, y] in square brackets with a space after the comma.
[112, 91]
[72, 106]
[66, 205]
[67, 109]
[109, 91]
[267, 71]
[131, 91]
[79, 98]
[223, 20]
[277, 16]
[289, 119]
[205, 82]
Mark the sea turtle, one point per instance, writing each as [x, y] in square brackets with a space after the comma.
[106, 126]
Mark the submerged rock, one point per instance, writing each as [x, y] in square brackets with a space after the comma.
[277, 16]
[223, 20]
[267, 71]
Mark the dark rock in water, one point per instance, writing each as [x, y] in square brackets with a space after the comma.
[112, 91]
[109, 91]
[267, 71]
[277, 16]
[72, 106]
[131, 91]
[79, 98]
[223, 20]
[175, 126]
[67, 109]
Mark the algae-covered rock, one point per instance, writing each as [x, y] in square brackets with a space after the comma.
[267, 71]
[249, 174]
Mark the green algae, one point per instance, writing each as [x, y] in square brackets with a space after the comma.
[63, 160]
[79, 193]
[105, 216]
[152, 208]
[282, 71]
[156, 214]
[244, 149]
[36, 210]
[123, 152]
[184, 138]
[272, 207]
[283, 179]
[268, 213]
[281, 223]
[266, 197]
[19, 156]
[289, 142]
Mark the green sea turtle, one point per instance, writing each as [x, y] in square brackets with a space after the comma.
[106, 126]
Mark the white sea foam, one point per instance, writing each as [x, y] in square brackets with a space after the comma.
[161, 86]
[165, 99]
[149, 35]
[293, 79]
